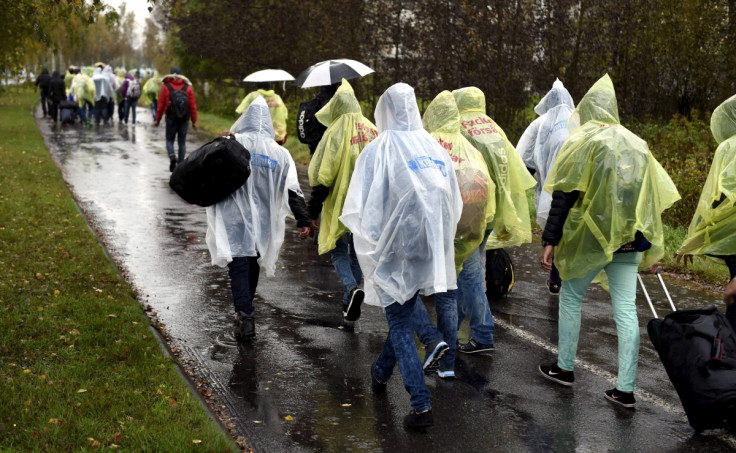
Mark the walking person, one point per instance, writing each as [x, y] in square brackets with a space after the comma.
[131, 91]
[538, 147]
[57, 93]
[245, 231]
[103, 95]
[151, 89]
[511, 225]
[608, 195]
[442, 121]
[276, 106]
[176, 100]
[42, 82]
[330, 169]
[309, 129]
[402, 206]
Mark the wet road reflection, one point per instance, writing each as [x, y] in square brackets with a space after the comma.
[304, 384]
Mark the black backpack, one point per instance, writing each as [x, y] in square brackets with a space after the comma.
[499, 273]
[308, 128]
[179, 102]
[212, 172]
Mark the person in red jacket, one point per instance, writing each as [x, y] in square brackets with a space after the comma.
[176, 100]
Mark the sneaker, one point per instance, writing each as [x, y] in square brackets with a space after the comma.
[245, 326]
[435, 351]
[557, 374]
[352, 311]
[473, 347]
[172, 162]
[626, 399]
[553, 287]
[419, 420]
[449, 374]
[377, 386]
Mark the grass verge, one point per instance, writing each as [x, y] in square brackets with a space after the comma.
[79, 366]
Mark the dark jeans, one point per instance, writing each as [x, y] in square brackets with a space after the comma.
[176, 129]
[554, 274]
[101, 110]
[44, 100]
[54, 111]
[244, 272]
[154, 104]
[130, 106]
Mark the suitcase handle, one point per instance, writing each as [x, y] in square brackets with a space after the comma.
[664, 287]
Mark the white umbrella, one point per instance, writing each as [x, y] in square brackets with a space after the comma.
[330, 72]
[269, 75]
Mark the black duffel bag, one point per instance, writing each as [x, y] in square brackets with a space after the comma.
[212, 172]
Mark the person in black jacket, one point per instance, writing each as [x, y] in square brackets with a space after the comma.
[323, 97]
[57, 92]
[729, 296]
[42, 81]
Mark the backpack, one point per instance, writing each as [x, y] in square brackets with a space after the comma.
[134, 89]
[179, 105]
[499, 273]
[308, 128]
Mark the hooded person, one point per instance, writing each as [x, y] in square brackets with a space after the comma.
[539, 145]
[57, 93]
[245, 231]
[104, 94]
[42, 81]
[115, 83]
[330, 170]
[176, 100]
[151, 89]
[711, 231]
[511, 223]
[402, 206]
[131, 92]
[83, 90]
[608, 195]
[276, 106]
[442, 121]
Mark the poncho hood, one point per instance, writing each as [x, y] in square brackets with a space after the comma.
[470, 99]
[442, 115]
[558, 95]
[723, 120]
[397, 109]
[598, 104]
[344, 101]
[256, 120]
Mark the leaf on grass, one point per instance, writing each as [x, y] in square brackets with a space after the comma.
[196, 441]
[112, 316]
[81, 390]
[289, 418]
[346, 404]
[257, 421]
[54, 421]
[94, 443]
[172, 402]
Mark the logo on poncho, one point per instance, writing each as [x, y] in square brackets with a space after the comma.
[424, 162]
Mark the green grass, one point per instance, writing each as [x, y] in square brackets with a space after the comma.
[79, 366]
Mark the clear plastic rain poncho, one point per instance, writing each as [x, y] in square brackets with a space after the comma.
[332, 164]
[712, 228]
[540, 142]
[103, 86]
[276, 106]
[442, 120]
[403, 205]
[251, 221]
[511, 223]
[623, 189]
[152, 86]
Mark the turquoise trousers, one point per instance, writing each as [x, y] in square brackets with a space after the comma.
[621, 274]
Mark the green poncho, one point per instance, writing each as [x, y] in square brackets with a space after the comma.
[153, 86]
[84, 89]
[711, 231]
[332, 164]
[275, 106]
[623, 189]
[442, 120]
[511, 223]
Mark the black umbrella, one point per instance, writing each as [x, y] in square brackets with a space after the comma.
[330, 72]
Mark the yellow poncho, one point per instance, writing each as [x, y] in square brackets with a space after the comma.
[275, 106]
[623, 189]
[712, 228]
[153, 86]
[442, 120]
[332, 164]
[84, 89]
[511, 224]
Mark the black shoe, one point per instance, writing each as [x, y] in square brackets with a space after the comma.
[553, 287]
[351, 313]
[434, 352]
[245, 327]
[557, 374]
[626, 399]
[172, 163]
[377, 386]
[419, 420]
[473, 347]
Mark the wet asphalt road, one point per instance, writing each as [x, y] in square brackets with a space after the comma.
[304, 383]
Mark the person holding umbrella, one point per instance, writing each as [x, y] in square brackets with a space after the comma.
[276, 105]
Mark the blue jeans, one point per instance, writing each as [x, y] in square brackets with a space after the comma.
[244, 272]
[176, 129]
[472, 299]
[346, 264]
[130, 104]
[445, 304]
[400, 347]
[154, 104]
[554, 274]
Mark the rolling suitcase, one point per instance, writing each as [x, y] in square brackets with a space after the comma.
[212, 172]
[698, 351]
